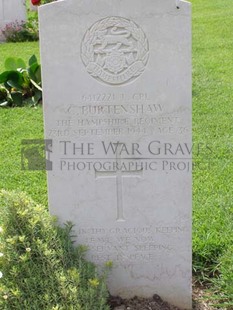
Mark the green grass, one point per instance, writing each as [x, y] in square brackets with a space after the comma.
[21, 50]
[212, 124]
[18, 124]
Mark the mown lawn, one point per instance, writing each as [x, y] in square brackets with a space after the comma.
[18, 124]
[212, 125]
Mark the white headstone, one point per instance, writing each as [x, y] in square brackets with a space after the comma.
[117, 104]
[11, 11]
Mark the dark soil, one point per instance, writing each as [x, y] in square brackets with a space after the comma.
[155, 303]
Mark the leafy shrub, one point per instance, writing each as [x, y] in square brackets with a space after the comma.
[20, 85]
[21, 31]
[40, 267]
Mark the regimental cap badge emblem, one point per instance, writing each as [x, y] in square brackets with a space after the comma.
[115, 50]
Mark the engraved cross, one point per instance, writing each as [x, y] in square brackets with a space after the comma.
[119, 174]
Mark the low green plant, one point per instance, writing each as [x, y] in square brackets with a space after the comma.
[22, 31]
[20, 85]
[40, 268]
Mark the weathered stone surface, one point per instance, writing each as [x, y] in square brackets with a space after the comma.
[117, 104]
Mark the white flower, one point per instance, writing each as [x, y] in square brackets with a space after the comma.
[1, 275]
[1, 229]
[28, 249]
[1, 254]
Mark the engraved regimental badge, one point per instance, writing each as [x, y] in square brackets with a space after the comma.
[115, 50]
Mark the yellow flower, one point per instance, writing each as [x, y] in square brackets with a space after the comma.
[5, 297]
[94, 282]
[23, 258]
[21, 238]
[1, 229]
[109, 264]
[11, 240]
[15, 292]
